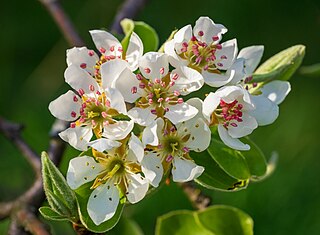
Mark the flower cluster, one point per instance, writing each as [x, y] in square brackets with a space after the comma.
[130, 110]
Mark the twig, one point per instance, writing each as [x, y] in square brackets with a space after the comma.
[198, 199]
[129, 9]
[63, 21]
[12, 132]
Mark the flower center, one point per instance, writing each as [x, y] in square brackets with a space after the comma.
[228, 114]
[158, 94]
[201, 56]
[172, 144]
[95, 111]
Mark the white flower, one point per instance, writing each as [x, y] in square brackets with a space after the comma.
[110, 49]
[266, 97]
[266, 104]
[156, 91]
[114, 173]
[171, 144]
[200, 49]
[229, 108]
[91, 110]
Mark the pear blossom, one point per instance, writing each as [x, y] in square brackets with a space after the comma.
[114, 173]
[230, 109]
[110, 48]
[171, 145]
[265, 97]
[200, 49]
[155, 91]
[91, 110]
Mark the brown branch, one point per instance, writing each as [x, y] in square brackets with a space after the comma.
[129, 9]
[198, 199]
[63, 21]
[12, 132]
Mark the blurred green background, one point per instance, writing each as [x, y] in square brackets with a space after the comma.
[32, 63]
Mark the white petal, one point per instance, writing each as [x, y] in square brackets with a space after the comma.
[243, 128]
[200, 134]
[227, 54]
[230, 93]
[229, 141]
[103, 203]
[209, 29]
[82, 58]
[252, 56]
[103, 144]
[77, 137]
[154, 65]
[276, 91]
[134, 51]
[174, 59]
[239, 72]
[189, 80]
[218, 80]
[183, 35]
[152, 168]
[143, 117]
[126, 84]
[82, 170]
[118, 130]
[266, 111]
[149, 135]
[184, 170]
[105, 40]
[180, 112]
[111, 70]
[137, 187]
[78, 78]
[116, 100]
[65, 107]
[210, 104]
[136, 147]
[197, 103]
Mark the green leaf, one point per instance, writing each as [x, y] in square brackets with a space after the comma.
[148, 35]
[280, 66]
[83, 194]
[50, 214]
[311, 70]
[230, 160]
[255, 159]
[215, 220]
[126, 227]
[60, 196]
[214, 177]
[226, 220]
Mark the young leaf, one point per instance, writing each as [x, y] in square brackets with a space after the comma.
[50, 214]
[214, 177]
[126, 227]
[255, 159]
[230, 160]
[215, 220]
[147, 34]
[83, 194]
[280, 66]
[60, 196]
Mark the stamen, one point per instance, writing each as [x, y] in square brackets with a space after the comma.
[134, 90]
[169, 158]
[102, 50]
[147, 70]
